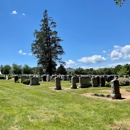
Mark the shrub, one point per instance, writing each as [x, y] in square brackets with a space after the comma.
[2, 77]
[26, 81]
[108, 84]
[123, 81]
[10, 77]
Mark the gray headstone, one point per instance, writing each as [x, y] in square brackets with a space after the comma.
[48, 78]
[57, 83]
[84, 82]
[73, 82]
[44, 77]
[7, 77]
[34, 81]
[63, 77]
[102, 81]
[16, 78]
[95, 82]
[115, 89]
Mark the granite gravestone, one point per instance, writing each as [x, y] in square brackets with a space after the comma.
[115, 89]
[73, 83]
[57, 83]
[84, 82]
[34, 81]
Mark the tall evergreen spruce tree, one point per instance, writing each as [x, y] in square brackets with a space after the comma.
[119, 2]
[46, 47]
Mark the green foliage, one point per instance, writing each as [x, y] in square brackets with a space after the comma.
[79, 71]
[117, 69]
[107, 84]
[26, 81]
[119, 2]
[27, 70]
[2, 77]
[16, 69]
[61, 70]
[6, 69]
[46, 47]
[124, 81]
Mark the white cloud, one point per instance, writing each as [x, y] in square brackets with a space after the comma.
[14, 12]
[23, 14]
[21, 52]
[93, 59]
[115, 55]
[120, 52]
[70, 63]
[126, 51]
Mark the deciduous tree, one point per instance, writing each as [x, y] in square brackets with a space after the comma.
[6, 69]
[27, 70]
[16, 69]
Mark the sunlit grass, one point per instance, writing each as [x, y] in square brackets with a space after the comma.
[24, 107]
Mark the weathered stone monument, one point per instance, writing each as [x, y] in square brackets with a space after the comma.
[16, 78]
[0, 70]
[7, 77]
[48, 78]
[57, 83]
[95, 82]
[44, 77]
[34, 81]
[115, 89]
[102, 81]
[73, 83]
[84, 82]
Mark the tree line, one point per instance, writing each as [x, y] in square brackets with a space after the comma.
[19, 69]
[117, 70]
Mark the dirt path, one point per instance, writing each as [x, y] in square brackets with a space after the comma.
[124, 94]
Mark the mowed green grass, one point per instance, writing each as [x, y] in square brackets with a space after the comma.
[24, 107]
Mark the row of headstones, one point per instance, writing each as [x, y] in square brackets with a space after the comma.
[108, 78]
[84, 83]
[33, 80]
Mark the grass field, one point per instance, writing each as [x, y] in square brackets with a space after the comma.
[24, 107]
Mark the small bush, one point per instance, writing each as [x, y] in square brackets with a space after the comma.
[108, 96]
[10, 77]
[123, 81]
[102, 95]
[26, 81]
[108, 84]
[2, 77]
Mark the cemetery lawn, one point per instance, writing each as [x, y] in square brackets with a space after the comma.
[24, 107]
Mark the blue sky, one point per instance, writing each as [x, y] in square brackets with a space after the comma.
[95, 34]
